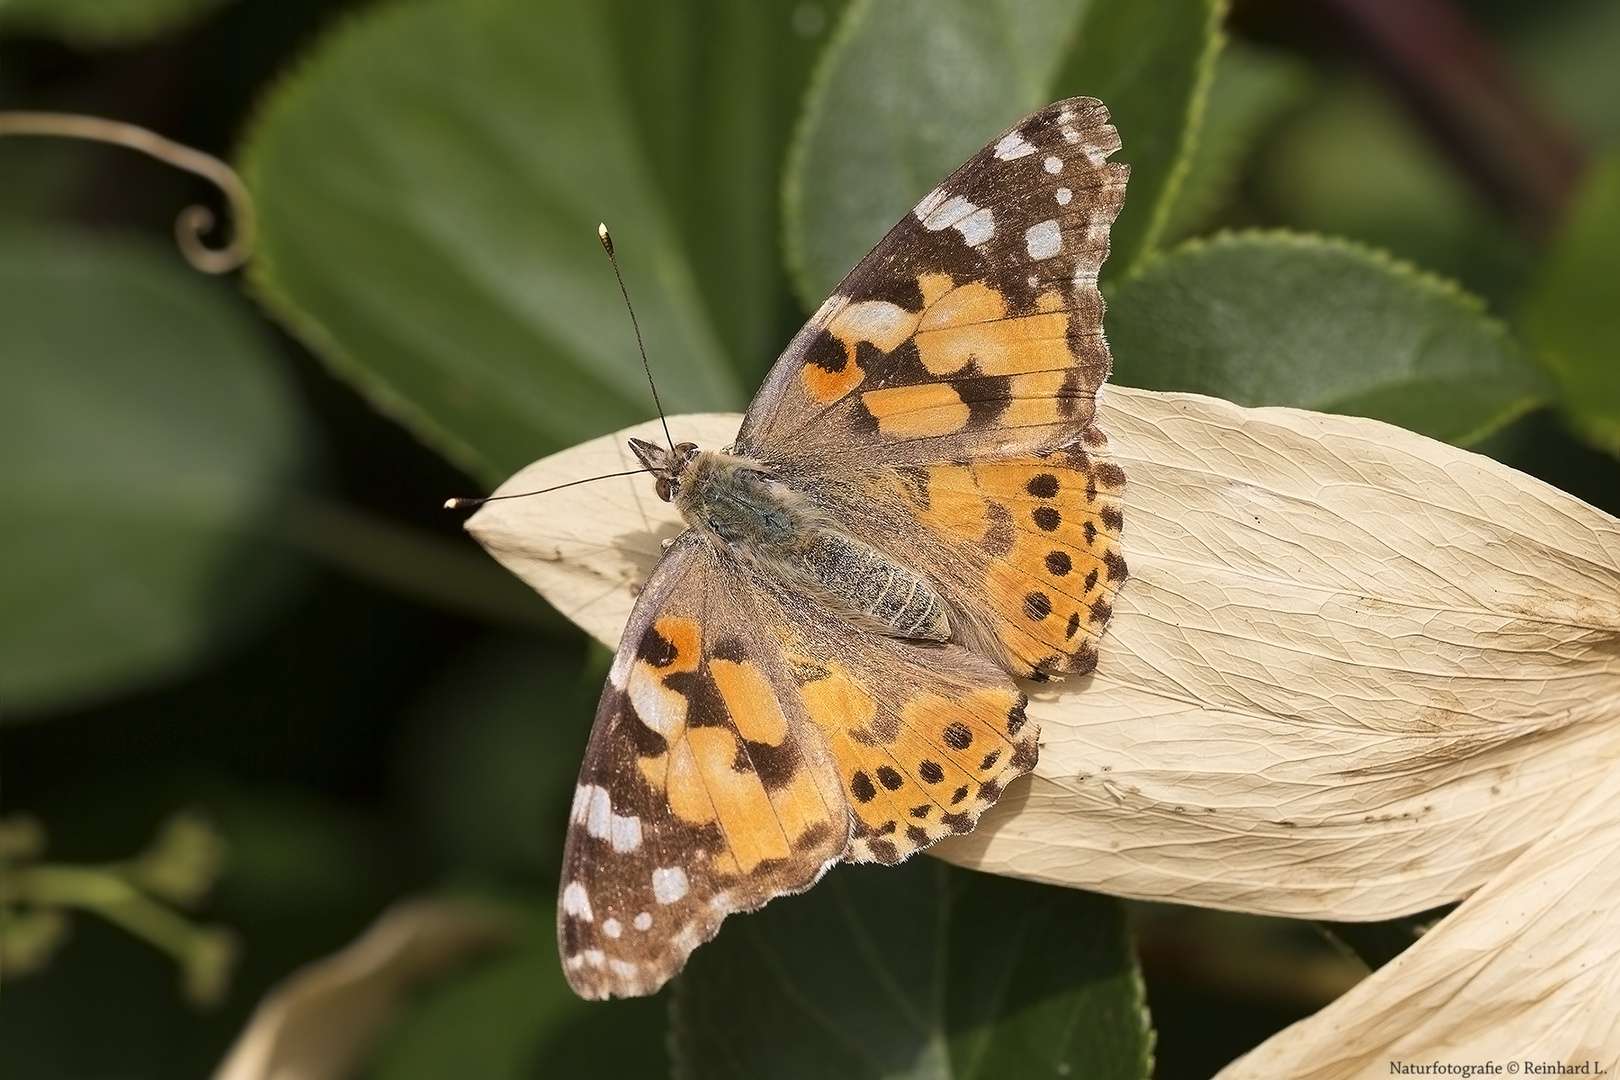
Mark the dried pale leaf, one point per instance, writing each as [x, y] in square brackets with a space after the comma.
[322, 1022]
[1522, 971]
[1354, 673]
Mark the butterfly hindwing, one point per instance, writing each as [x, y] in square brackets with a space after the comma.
[1031, 549]
[924, 736]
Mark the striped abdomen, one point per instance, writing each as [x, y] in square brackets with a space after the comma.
[865, 582]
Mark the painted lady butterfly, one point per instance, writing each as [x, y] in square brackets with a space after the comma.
[917, 511]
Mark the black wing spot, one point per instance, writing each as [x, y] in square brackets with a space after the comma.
[1025, 756]
[860, 785]
[656, 649]
[1043, 486]
[827, 353]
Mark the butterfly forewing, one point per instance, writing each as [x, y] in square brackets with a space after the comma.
[975, 325]
[705, 789]
[722, 773]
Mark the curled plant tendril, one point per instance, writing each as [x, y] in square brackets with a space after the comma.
[193, 221]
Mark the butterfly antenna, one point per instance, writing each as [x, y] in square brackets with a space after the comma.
[465, 502]
[607, 246]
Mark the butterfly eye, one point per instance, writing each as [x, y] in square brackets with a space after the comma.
[665, 489]
[686, 450]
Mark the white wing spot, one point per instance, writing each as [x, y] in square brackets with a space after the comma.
[1053, 165]
[936, 212]
[594, 957]
[1043, 240]
[642, 921]
[1095, 156]
[611, 928]
[577, 902]
[598, 813]
[585, 797]
[593, 808]
[1085, 276]
[1013, 146]
[1064, 195]
[625, 833]
[925, 210]
[622, 969]
[977, 227]
[621, 668]
[669, 884]
[877, 321]
[658, 707]
[1070, 135]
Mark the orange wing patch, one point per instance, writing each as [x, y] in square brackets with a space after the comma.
[707, 775]
[919, 411]
[970, 324]
[879, 323]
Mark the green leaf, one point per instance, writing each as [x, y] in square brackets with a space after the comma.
[429, 187]
[920, 971]
[1279, 319]
[104, 23]
[910, 89]
[1150, 62]
[1355, 163]
[1573, 315]
[715, 87]
[144, 427]
[1252, 88]
[907, 91]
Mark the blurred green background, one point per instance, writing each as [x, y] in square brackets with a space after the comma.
[227, 591]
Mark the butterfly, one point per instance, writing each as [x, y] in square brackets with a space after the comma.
[918, 511]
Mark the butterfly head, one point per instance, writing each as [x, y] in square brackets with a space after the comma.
[665, 465]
